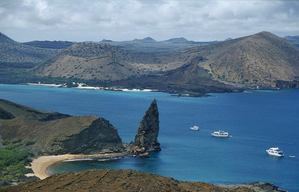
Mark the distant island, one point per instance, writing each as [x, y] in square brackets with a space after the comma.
[177, 66]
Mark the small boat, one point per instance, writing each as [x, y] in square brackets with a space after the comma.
[194, 128]
[220, 133]
[275, 151]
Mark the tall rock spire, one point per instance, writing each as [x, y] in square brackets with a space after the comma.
[146, 139]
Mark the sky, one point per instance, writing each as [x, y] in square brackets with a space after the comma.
[94, 20]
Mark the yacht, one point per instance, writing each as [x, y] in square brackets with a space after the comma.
[220, 133]
[275, 151]
[194, 128]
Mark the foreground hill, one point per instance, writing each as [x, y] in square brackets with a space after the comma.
[56, 133]
[128, 181]
[256, 60]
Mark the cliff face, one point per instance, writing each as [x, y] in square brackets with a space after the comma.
[146, 139]
[129, 181]
[55, 133]
[100, 135]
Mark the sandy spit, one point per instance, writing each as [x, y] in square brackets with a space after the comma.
[41, 164]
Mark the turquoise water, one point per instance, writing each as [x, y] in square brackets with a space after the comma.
[257, 120]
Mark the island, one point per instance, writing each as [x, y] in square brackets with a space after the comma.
[49, 138]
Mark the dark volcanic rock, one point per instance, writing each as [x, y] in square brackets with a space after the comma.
[287, 84]
[99, 136]
[5, 115]
[146, 139]
[56, 133]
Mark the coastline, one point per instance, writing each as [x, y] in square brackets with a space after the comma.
[176, 93]
[87, 87]
[41, 164]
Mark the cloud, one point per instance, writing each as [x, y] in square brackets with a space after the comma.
[80, 20]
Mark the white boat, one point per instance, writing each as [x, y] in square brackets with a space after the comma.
[275, 151]
[194, 128]
[220, 133]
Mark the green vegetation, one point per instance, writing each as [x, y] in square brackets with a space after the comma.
[13, 159]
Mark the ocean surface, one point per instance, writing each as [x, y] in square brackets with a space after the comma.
[257, 120]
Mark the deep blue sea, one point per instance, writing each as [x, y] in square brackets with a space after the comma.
[257, 120]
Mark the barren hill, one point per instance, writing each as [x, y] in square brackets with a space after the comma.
[128, 181]
[259, 59]
[104, 62]
[190, 78]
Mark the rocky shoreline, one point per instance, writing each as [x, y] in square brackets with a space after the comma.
[178, 93]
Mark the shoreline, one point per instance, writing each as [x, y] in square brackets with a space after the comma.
[40, 166]
[87, 87]
[128, 90]
[145, 90]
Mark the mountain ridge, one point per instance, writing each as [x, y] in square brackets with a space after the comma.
[14, 54]
[261, 60]
[257, 60]
[5, 39]
[49, 44]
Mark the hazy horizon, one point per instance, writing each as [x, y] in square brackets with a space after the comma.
[28, 20]
[131, 39]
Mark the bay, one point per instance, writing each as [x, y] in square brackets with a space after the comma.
[257, 120]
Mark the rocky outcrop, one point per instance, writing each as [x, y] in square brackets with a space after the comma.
[146, 139]
[99, 136]
[129, 181]
[287, 84]
[5, 115]
[56, 133]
